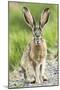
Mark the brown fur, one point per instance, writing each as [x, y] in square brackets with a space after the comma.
[38, 51]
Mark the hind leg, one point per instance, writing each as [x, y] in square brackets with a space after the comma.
[29, 72]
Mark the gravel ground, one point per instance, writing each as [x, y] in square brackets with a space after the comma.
[52, 74]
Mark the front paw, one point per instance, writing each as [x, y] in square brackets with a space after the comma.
[44, 77]
[38, 81]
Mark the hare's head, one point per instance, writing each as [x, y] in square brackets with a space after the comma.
[36, 30]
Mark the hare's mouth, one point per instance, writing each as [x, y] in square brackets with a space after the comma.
[37, 41]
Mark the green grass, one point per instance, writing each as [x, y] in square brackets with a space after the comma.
[20, 34]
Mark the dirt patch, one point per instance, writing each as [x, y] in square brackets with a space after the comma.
[52, 73]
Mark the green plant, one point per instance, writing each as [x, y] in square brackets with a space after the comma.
[20, 34]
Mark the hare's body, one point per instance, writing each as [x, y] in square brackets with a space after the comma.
[38, 51]
[34, 56]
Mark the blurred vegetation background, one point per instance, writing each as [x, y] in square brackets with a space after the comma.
[20, 34]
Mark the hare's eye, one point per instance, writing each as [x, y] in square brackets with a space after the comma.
[39, 29]
[34, 28]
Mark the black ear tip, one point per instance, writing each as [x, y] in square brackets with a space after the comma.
[46, 9]
[25, 8]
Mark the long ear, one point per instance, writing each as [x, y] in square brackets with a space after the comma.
[44, 17]
[28, 17]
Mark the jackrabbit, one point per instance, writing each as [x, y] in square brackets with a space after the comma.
[34, 56]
